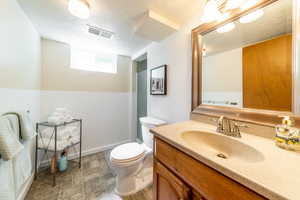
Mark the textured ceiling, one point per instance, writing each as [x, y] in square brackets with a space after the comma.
[277, 20]
[53, 20]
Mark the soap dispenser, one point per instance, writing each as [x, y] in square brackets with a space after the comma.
[287, 137]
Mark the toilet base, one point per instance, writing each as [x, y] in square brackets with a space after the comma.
[138, 182]
[134, 176]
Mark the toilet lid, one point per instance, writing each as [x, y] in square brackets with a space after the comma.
[127, 152]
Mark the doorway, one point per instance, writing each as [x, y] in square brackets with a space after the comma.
[141, 76]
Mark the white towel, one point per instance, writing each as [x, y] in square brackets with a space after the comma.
[27, 127]
[21, 124]
[14, 124]
[9, 142]
[60, 116]
[22, 166]
[7, 189]
[63, 133]
[56, 119]
[68, 118]
[64, 112]
[61, 144]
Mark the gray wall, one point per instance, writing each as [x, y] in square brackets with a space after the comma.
[141, 94]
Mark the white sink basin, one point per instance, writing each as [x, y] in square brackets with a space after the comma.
[222, 146]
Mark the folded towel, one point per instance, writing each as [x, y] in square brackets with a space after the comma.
[22, 124]
[46, 143]
[27, 126]
[14, 121]
[60, 116]
[9, 142]
[68, 118]
[61, 144]
[63, 133]
[56, 119]
[62, 112]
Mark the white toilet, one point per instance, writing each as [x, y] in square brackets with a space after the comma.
[133, 162]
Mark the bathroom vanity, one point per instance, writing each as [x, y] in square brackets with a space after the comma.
[193, 161]
[236, 74]
[179, 176]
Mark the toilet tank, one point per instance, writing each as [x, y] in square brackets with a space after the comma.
[148, 123]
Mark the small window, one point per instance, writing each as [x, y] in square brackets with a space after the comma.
[93, 61]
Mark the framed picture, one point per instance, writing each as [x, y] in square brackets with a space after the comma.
[158, 78]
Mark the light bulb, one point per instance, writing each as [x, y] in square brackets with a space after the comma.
[211, 12]
[79, 8]
[252, 16]
[226, 28]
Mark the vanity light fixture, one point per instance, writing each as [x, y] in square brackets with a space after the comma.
[79, 8]
[211, 12]
[252, 16]
[226, 28]
[233, 4]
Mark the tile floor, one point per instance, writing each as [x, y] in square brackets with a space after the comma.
[94, 181]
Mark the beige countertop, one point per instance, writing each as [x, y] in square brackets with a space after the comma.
[276, 176]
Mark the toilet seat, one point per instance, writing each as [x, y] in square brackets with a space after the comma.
[127, 153]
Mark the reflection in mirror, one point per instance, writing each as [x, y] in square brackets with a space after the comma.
[248, 63]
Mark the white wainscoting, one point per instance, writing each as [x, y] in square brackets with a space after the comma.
[105, 115]
[22, 100]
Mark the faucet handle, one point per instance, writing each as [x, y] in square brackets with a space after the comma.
[220, 119]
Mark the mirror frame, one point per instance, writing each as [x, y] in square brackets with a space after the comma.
[256, 116]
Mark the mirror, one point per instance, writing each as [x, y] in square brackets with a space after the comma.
[247, 63]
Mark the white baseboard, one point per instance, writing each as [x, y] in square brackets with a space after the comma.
[88, 152]
[98, 149]
[26, 188]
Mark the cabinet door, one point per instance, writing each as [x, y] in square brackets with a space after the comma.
[167, 186]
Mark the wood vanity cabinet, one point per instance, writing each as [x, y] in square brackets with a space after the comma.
[168, 185]
[178, 176]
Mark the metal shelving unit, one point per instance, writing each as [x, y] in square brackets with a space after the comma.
[55, 151]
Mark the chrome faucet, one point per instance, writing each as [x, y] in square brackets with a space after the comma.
[229, 127]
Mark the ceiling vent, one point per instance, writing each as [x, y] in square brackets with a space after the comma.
[100, 32]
